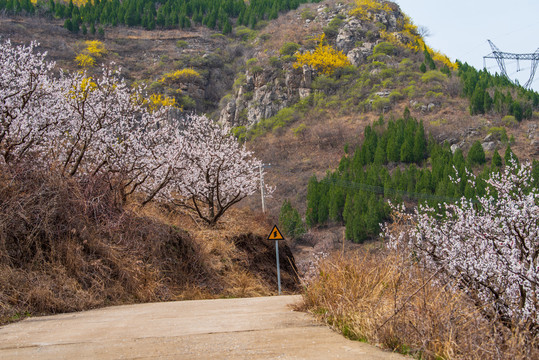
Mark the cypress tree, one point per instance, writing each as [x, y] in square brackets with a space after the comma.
[420, 144]
[476, 155]
[407, 151]
[510, 156]
[68, 25]
[323, 205]
[290, 220]
[496, 160]
[477, 101]
[380, 156]
[313, 198]
[227, 29]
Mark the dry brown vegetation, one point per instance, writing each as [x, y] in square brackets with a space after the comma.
[67, 245]
[377, 296]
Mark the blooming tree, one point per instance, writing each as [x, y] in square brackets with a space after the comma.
[28, 109]
[85, 126]
[106, 127]
[489, 246]
[217, 173]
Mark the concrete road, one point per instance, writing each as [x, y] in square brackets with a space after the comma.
[254, 328]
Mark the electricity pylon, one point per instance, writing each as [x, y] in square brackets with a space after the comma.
[500, 56]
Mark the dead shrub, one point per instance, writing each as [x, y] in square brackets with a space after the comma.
[68, 245]
[380, 298]
[71, 244]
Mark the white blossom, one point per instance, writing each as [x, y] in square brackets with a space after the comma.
[490, 246]
[217, 173]
[28, 108]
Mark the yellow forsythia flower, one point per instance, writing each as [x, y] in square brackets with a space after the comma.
[156, 101]
[84, 60]
[184, 75]
[364, 7]
[324, 58]
[95, 48]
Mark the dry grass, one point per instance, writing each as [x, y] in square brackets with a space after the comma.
[377, 297]
[68, 245]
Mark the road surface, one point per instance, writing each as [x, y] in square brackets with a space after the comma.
[254, 328]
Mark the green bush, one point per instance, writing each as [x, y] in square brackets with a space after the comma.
[240, 81]
[510, 121]
[307, 14]
[385, 48]
[433, 94]
[245, 34]
[332, 29]
[409, 91]
[380, 103]
[325, 83]
[433, 75]
[406, 63]
[499, 132]
[289, 48]
[387, 73]
[248, 95]
[257, 69]
[239, 132]
[251, 61]
[300, 130]
[275, 62]
[394, 96]
[181, 44]
[265, 37]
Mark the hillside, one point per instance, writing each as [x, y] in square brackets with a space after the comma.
[299, 119]
[321, 89]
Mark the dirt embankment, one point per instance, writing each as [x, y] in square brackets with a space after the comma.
[69, 245]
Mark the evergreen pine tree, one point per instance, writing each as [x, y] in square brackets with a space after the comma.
[477, 101]
[290, 220]
[68, 25]
[420, 144]
[380, 156]
[510, 156]
[476, 155]
[407, 151]
[496, 160]
[313, 198]
[227, 29]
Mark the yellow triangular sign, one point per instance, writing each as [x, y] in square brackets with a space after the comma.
[275, 234]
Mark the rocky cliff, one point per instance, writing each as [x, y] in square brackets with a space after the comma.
[263, 92]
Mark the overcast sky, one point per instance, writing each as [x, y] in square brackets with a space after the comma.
[460, 29]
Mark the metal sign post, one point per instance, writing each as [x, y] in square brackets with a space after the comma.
[276, 235]
[278, 267]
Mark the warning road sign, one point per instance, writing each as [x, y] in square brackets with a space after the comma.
[275, 234]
